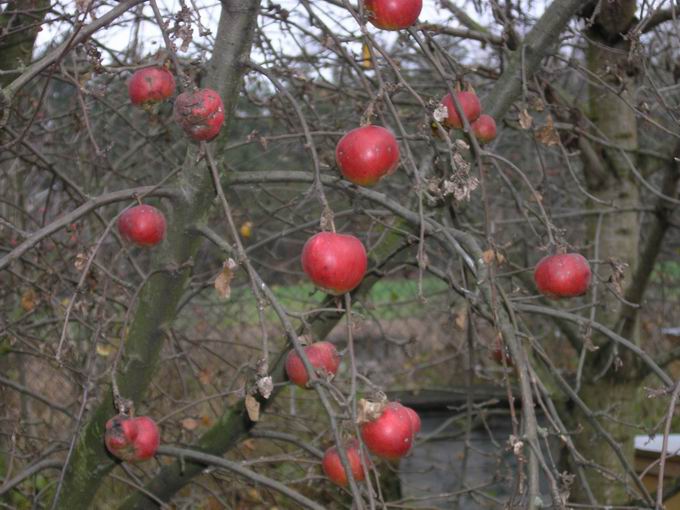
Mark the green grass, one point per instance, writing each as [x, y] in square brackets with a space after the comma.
[388, 300]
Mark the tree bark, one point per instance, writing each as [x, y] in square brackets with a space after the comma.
[611, 386]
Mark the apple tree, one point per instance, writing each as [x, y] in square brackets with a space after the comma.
[515, 163]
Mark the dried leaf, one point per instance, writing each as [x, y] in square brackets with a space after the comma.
[461, 319]
[104, 350]
[369, 411]
[537, 104]
[249, 444]
[205, 376]
[81, 261]
[223, 280]
[490, 255]
[29, 300]
[189, 424]
[207, 421]
[82, 5]
[265, 386]
[618, 274]
[366, 61]
[525, 120]
[252, 408]
[547, 134]
[246, 230]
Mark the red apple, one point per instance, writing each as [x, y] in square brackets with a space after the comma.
[484, 128]
[393, 14]
[143, 225]
[336, 263]
[470, 104]
[563, 275]
[389, 436]
[131, 439]
[151, 85]
[323, 357]
[333, 468]
[415, 420]
[200, 113]
[366, 154]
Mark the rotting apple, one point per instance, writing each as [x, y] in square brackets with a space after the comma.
[470, 104]
[143, 225]
[332, 464]
[131, 439]
[336, 263]
[563, 275]
[200, 114]
[389, 435]
[393, 14]
[323, 356]
[151, 85]
[366, 154]
[484, 128]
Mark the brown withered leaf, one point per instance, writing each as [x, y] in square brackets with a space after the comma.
[461, 319]
[618, 274]
[366, 61]
[81, 261]
[223, 280]
[82, 5]
[29, 300]
[205, 376]
[252, 408]
[189, 424]
[490, 255]
[547, 134]
[525, 120]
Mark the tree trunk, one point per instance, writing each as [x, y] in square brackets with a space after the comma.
[609, 383]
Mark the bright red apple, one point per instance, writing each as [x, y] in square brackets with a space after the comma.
[470, 104]
[131, 439]
[366, 154]
[336, 263]
[389, 436]
[151, 85]
[333, 468]
[393, 14]
[323, 356]
[143, 225]
[484, 128]
[200, 113]
[415, 420]
[563, 275]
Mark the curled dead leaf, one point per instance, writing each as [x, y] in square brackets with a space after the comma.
[525, 120]
[29, 300]
[189, 424]
[369, 411]
[252, 408]
[547, 134]
[224, 278]
[366, 61]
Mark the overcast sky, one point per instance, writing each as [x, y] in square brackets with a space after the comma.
[118, 38]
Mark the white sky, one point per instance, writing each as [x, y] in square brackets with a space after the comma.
[118, 38]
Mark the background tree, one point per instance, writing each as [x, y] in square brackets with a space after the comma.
[584, 96]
